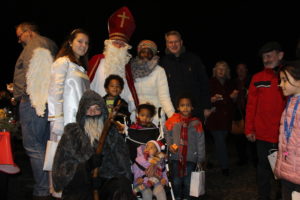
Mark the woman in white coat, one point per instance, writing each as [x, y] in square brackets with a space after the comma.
[68, 82]
[150, 80]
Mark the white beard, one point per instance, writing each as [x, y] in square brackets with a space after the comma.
[93, 128]
[115, 59]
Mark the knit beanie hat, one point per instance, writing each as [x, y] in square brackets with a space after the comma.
[147, 44]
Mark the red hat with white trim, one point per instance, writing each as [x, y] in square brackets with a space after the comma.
[159, 145]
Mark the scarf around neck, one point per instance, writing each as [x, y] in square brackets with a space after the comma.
[184, 122]
[183, 146]
[142, 68]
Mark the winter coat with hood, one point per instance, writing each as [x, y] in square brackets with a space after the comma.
[144, 163]
[72, 165]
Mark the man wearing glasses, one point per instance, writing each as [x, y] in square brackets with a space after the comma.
[31, 80]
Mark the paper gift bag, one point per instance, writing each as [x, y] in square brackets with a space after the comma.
[197, 186]
[272, 160]
[295, 195]
[50, 153]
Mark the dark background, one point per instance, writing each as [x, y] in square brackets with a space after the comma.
[229, 30]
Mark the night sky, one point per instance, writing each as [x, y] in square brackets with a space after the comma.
[216, 30]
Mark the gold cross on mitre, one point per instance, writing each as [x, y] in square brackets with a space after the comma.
[123, 16]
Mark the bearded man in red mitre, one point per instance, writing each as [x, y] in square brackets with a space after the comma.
[115, 57]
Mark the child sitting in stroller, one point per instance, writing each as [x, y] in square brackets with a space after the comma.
[149, 171]
[143, 130]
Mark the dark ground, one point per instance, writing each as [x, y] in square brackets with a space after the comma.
[239, 185]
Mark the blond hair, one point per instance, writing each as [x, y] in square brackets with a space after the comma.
[173, 32]
[222, 63]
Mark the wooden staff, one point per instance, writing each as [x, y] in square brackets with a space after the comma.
[102, 138]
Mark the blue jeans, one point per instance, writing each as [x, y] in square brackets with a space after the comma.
[180, 192]
[35, 132]
[221, 147]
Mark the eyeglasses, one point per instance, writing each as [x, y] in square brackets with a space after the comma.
[19, 36]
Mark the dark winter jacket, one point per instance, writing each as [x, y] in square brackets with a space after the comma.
[187, 75]
[241, 101]
[221, 118]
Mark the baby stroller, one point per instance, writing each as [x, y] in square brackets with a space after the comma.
[136, 137]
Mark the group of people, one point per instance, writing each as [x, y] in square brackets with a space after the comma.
[113, 94]
[82, 97]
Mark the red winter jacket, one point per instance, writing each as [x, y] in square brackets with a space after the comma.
[264, 106]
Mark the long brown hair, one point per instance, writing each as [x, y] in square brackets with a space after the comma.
[66, 49]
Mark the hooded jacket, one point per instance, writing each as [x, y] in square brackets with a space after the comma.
[71, 167]
[75, 149]
[141, 164]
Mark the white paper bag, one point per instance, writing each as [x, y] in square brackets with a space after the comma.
[197, 186]
[272, 160]
[295, 195]
[50, 153]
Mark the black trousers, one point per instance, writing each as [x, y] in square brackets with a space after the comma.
[287, 189]
[3, 185]
[264, 171]
[246, 150]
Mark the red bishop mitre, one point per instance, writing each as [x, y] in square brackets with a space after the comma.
[121, 25]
